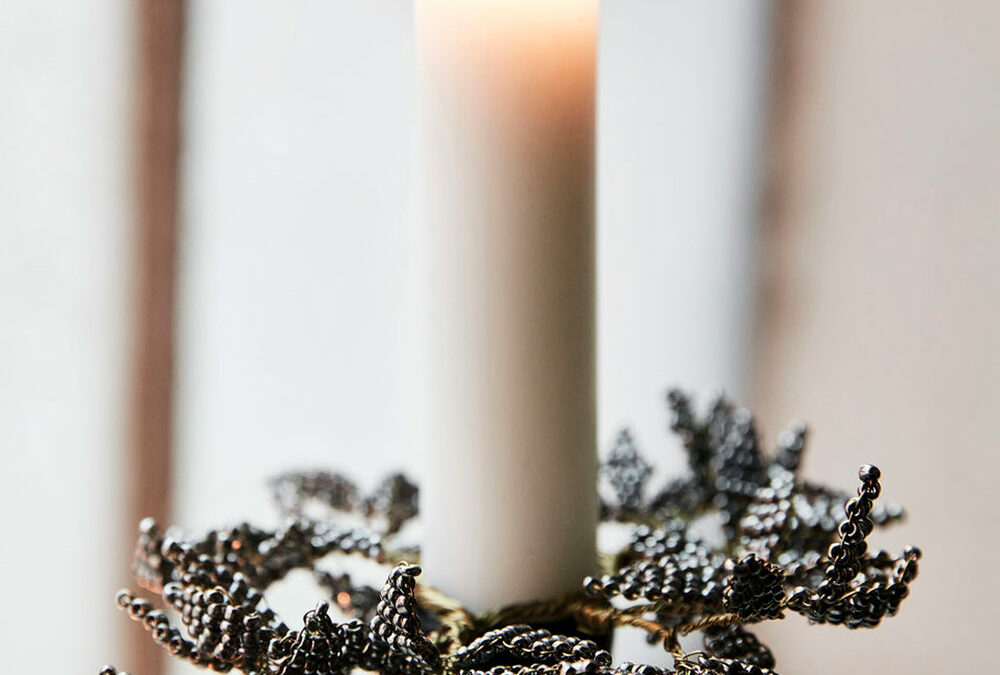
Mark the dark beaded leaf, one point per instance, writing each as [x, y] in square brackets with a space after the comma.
[395, 499]
[791, 444]
[628, 668]
[766, 520]
[691, 577]
[292, 490]
[755, 589]
[672, 538]
[627, 471]
[701, 438]
[855, 589]
[738, 469]
[733, 642]
[525, 645]
[396, 624]
[320, 647]
[713, 665]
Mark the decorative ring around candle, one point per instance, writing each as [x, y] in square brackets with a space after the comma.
[790, 546]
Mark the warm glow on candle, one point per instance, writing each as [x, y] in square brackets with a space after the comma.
[508, 102]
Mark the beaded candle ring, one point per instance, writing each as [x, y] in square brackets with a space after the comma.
[791, 545]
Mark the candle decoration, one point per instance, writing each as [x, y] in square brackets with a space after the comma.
[790, 546]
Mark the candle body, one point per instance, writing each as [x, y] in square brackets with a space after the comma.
[509, 487]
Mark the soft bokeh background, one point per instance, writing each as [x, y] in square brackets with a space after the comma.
[799, 203]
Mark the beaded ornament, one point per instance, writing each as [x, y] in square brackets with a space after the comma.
[790, 546]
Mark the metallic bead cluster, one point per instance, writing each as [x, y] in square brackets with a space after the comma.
[712, 665]
[857, 589]
[672, 538]
[535, 669]
[692, 577]
[733, 642]
[738, 469]
[524, 646]
[321, 646]
[627, 472]
[356, 601]
[394, 500]
[755, 589]
[767, 519]
[261, 556]
[789, 545]
[724, 458]
[216, 585]
[397, 626]
[156, 622]
[847, 557]
[628, 668]
[292, 490]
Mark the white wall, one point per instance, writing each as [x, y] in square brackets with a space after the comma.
[64, 128]
[883, 313]
[296, 248]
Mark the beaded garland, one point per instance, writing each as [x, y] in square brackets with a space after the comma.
[791, 545]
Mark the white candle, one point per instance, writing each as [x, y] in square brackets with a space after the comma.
[508, 494]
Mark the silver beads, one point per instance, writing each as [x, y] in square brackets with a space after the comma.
[789, 544]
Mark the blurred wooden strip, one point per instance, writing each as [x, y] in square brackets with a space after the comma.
[160, 45]
[780, 138]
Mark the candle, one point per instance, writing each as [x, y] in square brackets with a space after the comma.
[508, 498]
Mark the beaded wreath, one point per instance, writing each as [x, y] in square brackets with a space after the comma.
[791, 546]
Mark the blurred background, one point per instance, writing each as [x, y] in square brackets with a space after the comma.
[208, 241]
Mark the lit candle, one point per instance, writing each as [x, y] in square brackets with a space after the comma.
[508, 492]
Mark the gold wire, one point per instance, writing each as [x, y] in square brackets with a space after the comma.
[459, 626]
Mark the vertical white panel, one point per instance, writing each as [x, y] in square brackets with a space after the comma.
[680, 117]
[64, 133]
[296, 248]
